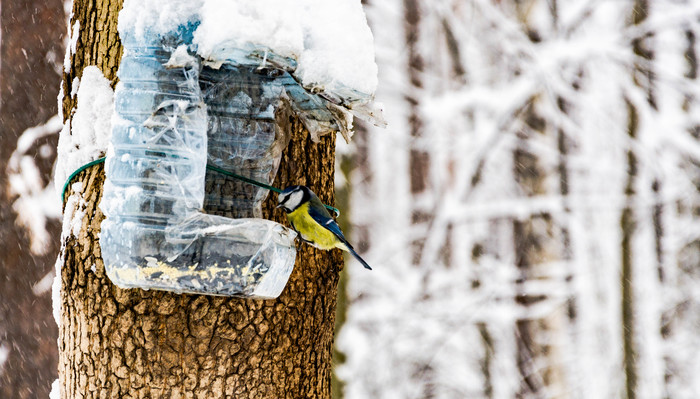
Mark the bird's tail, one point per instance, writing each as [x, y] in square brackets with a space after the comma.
[352, 251]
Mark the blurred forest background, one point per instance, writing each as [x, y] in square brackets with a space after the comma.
[532, 212]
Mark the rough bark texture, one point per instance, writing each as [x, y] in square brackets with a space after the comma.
[32, 34]
[97, 44]
[117, 343]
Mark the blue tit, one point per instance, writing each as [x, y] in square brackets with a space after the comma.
[311, 220]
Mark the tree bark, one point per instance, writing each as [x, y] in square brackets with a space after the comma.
[135, 344]
[32, 34]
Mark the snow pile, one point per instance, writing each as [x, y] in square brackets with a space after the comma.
[55, 390]
[158, 17]
[330, 41]
[86, 136]
[269, 23]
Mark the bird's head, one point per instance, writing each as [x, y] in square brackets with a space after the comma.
[292, 197]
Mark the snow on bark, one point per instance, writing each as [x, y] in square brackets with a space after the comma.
[85, 136]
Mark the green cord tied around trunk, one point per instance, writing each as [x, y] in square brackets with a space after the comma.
[210, 167]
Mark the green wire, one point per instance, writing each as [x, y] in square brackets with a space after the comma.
[80, 169]
[259, 184]
[209, 166]
[243, 178]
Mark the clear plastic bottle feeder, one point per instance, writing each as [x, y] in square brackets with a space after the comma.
[173, 224]
[170, 223]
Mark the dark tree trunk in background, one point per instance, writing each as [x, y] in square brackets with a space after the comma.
[150, 344]
[32, 42]
[539, 242]
[643, 77]
[419, 160]
[538, 354]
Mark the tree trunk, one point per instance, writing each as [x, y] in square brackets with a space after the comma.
[536, 248]
[32, 33]
[134, 343]
[419, 159]
[642, 76]
[540, 243]
[627, 225]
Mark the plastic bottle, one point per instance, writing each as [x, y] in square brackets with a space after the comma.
[155, 235]
[243, 135]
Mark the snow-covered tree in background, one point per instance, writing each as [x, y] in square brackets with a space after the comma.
[30, 55]
[533, 208]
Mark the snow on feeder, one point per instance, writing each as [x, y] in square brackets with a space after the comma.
[180, 120]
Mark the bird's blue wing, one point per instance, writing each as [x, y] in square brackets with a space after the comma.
[323, 218]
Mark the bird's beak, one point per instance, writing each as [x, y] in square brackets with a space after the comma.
[278, 206]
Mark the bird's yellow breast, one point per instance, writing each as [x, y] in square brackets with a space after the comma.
[317, 235]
